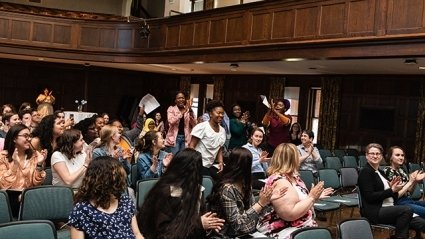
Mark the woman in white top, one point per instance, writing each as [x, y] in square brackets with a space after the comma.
[69, 162]
[209, 137]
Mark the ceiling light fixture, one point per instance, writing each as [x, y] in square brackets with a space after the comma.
[410, 61]
[294, 59]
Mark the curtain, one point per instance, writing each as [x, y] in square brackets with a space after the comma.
[277, 87]
[329, 112]
[218, 88]
[184, 85]
[420, 127]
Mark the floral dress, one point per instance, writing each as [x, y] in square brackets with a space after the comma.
[271, 225]
[100, 225]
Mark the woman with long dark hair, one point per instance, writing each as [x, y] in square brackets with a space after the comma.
[232, 197]
[172, 208]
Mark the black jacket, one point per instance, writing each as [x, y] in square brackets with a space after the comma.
[372, 192]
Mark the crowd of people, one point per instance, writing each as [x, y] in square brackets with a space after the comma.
[95, 157]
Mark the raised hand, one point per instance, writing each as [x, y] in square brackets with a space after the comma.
[167, 159]
[316, 191]
[263, 156]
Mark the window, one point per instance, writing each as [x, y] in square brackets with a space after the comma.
[293, 94]
[314, 111]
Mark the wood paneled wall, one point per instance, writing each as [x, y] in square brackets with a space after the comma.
[268, 30]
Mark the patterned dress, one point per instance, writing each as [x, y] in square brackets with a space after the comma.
[271, 225]
[100, 225]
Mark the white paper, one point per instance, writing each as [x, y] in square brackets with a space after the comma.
[149, 102]
[265, 101]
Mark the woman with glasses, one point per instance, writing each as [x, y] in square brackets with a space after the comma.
[395, 157]
[22, 167]
[378, 196]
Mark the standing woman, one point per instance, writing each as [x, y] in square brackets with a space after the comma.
[259, 157]
[109, 140]
[232, 197]
[172, 209]
[180, 122]
[209, 137]
[395, 156]
[46, 134]
[278, 123]
[295, 133]
[69, 162]
[152, 161]
[238, 127]
[45, 103]
[101, 209]
[378, 196]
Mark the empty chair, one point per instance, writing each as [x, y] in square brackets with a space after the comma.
[333, 162]
[362, 161]
[34, 229]
[307, 177]
[340, 153]
[312, 232]
[417, 192]
[46, 202]
[142, 189]
[349, 178]
[352, 152]
[5, 211]
[349, 162]
[358, 228]
[207, 183]
[330, 177]
[325, 153]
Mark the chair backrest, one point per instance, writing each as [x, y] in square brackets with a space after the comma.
[352, 152]
[46, 202]
[49, 177]
[349, 162]
[362, 161]
[34, 229]
[312, 232]
[417, 192]
[340, 153]
[134, 175]
[357, 228]
[333, 162]
[325, 153]
[208, 184]
[143, 188]
[349, 177]
[5, 211]
[330, 177]
[413, 167]
[307, 177]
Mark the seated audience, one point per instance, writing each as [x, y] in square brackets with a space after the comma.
[295, 133]
[232, 197]
[309, 155]
[172, 208]
[378, 196]
[395, 157]
[101, 209]
[295, 209]
[88, 130]
[69, 162]
[152, 160]
[109, 140]
[259, 157]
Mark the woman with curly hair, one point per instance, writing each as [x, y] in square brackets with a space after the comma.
[45, 135]
[232, 196]
[101, 209]
[69, 162]
[172, 208]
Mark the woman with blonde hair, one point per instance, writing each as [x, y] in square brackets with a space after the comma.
[109, 140]
[294, 209]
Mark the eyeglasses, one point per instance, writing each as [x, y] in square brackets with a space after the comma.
[374, 154]
[26, 136]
